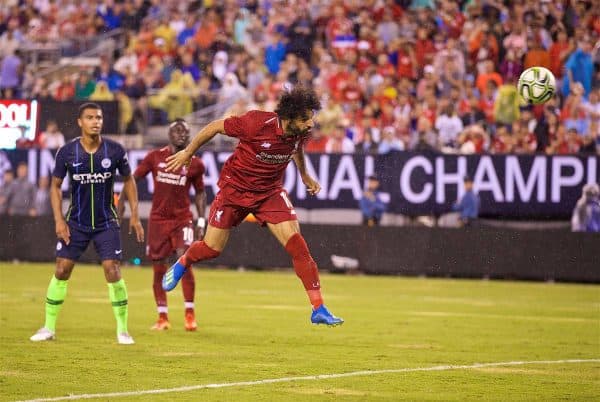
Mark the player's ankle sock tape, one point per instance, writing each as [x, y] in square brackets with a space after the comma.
[304, 265]
[198, 251]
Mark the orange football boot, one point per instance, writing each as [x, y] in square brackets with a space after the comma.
[190, 322]
[161, 325]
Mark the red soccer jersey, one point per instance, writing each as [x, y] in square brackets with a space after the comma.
[259, 161]
[171, 199]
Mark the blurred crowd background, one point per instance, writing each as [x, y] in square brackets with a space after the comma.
[392, 74]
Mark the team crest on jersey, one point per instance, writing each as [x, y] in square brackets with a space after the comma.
[105, 163]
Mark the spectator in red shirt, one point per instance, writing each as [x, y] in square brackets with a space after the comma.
[424, 48]
[407, 60]
[559, 51]
[65, 90]
[489, 74]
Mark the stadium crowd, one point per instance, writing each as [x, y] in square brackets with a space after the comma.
[392, 75]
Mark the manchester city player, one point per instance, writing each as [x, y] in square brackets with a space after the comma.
[91, 163]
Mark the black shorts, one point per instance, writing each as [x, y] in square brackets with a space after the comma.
[107, 242]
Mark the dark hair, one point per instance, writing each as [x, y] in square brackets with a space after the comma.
[88, 105]
[297, 102]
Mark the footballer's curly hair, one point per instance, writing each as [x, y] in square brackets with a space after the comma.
[297, 102]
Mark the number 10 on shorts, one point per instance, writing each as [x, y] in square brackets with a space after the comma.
[188, 235]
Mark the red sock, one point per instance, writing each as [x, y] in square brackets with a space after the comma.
[306, 268]
[160, 296]
[188, 284]
[198, 251]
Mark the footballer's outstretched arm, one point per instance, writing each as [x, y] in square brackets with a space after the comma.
[184, 156]
[311, 184]
[130, 190]
[61, 227]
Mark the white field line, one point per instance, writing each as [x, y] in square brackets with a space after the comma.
[305, 378]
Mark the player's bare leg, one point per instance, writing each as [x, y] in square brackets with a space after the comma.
[288, 234]
[188, 286]
[117, 292]
[159, 268]
[55, 296]
[210, 247]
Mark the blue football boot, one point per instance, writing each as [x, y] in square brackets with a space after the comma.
[323, 316]
[173, 275]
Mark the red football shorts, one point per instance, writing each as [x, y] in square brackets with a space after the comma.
[231, 206]
[164, 237]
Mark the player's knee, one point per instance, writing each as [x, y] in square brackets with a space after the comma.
[63, 271]
[112, 272]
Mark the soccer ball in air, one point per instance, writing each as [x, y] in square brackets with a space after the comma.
[536, 85]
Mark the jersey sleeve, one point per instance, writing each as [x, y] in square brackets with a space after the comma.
[198, 179]
[60, 164]
[243, 127]
[144, 167]
[123, 162]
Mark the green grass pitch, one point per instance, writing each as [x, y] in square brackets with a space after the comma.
[254, 326]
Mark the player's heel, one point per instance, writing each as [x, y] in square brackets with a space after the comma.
[172, 277]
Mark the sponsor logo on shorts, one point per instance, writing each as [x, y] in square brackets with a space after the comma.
[106, 163]
[58, 246]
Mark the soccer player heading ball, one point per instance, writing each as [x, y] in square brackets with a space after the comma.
[251, 181]
[91, 162]
[170, 228]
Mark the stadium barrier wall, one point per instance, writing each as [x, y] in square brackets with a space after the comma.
[538, 187]
[478, 252]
